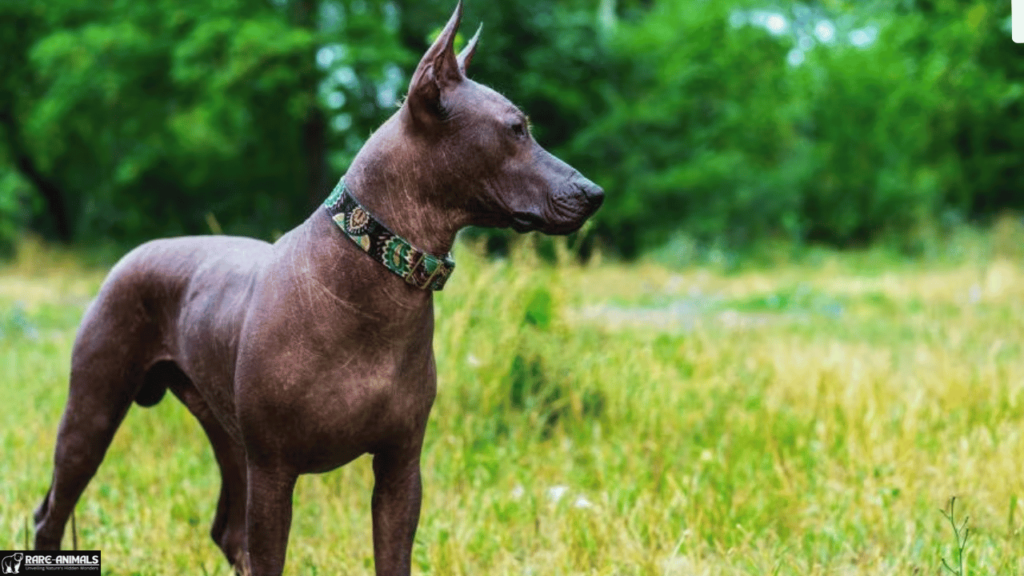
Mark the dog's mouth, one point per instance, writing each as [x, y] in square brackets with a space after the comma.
[526, 222]
[531, 222]
[564, 214]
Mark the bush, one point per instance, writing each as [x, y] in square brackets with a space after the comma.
[710, 131]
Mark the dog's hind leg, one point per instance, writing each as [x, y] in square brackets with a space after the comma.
[105, 378]
[228, 529]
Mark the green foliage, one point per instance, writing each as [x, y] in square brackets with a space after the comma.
[14, 323]
[709, 130]
[15, 198]
[149, 116]
[535, 389]
[155, 118]
[696, 135]
[523, 372]
[539, 308]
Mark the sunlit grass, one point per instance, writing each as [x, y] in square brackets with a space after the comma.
[805, 418]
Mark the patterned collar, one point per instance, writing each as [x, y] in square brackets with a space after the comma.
[415, 266]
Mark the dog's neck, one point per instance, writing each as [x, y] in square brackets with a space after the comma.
[417, 267]
[390, 179]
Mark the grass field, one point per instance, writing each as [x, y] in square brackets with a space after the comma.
[789, 418]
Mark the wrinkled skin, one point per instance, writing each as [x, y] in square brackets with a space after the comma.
[299, 356]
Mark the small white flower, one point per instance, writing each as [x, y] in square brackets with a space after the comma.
[555, 493]
[582, 502]
[975, 294]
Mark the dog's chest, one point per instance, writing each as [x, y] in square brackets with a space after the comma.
[327, 411]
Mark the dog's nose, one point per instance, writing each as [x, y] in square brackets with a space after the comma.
[594, 194]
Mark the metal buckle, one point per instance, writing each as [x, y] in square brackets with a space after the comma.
[430, 279]
[409, 275]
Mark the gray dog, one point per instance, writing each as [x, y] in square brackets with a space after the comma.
[299, 356]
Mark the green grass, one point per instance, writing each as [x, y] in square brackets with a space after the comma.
[801, 418]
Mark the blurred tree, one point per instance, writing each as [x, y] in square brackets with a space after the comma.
[697, 133]
[728, 121]
[983, 72]
[21, 25]
[146, 117]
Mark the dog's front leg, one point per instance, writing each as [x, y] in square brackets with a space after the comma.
[268, 518]
[397, 494]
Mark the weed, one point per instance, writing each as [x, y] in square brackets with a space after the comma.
[960, 534]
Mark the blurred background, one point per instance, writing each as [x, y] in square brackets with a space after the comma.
[711, 124]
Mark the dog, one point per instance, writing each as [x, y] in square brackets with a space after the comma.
[297, 357]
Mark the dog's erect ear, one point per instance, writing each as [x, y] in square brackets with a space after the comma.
[438, 71]
[466, 56]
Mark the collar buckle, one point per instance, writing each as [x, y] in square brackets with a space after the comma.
[383, 245]
[412, 272]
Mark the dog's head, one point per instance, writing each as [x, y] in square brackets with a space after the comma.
[480, 144]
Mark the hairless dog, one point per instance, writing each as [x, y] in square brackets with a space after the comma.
[297, 357]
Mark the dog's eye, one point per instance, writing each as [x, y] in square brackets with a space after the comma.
[518, 128]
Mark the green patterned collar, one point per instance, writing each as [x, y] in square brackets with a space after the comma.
[415, 266]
